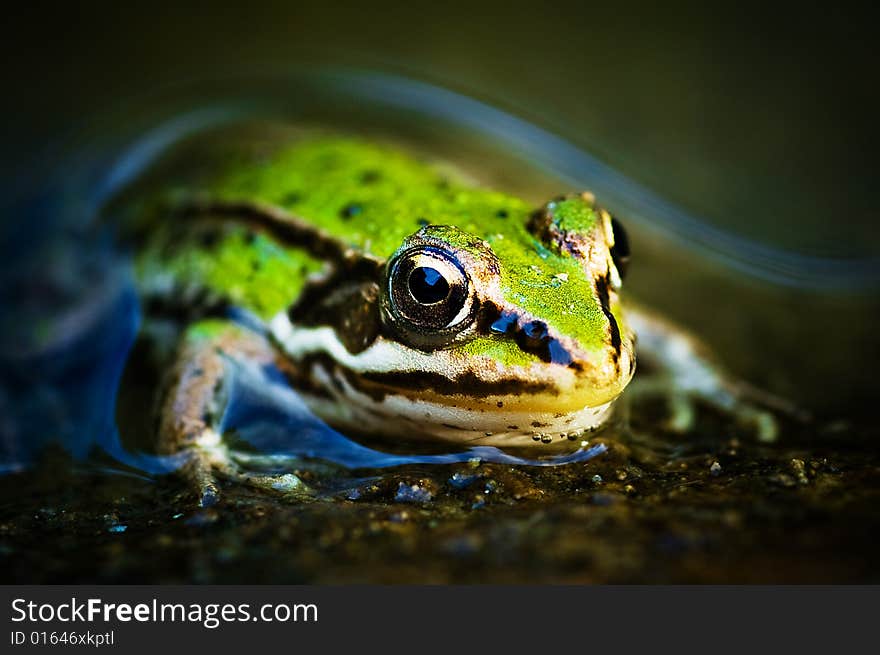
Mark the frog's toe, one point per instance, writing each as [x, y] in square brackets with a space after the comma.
[680, 405]
[287, 485]
[765, 413]
[208, 465]
[762, 423]
[249, 469]
[682, 413]
[198, 471]
[209, 495]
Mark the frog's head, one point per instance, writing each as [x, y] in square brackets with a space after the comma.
[509, 336]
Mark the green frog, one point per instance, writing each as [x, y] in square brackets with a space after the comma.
[396, 296]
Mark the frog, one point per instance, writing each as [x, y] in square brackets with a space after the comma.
[396, 296]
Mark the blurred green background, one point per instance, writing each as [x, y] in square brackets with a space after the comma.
[762, 121]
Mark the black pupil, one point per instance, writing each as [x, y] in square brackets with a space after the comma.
[427, 285]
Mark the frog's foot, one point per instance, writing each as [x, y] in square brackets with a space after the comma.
[757, 408]
[681, 407]
[758, 420]
[754, 410]
[195, 398]
[685, 374]
[210, 460]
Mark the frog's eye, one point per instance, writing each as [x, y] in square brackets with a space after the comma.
[429, 290]
[620, 250]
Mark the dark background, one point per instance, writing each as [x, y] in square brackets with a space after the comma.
[761, 120]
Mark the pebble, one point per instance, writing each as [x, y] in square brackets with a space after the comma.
[412, 493]
[798, 467]
[287, 482]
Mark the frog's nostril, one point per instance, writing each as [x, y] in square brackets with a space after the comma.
[535, 330]
[533, 335]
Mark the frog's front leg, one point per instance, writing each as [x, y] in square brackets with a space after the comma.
[682, 370]
[194, 399]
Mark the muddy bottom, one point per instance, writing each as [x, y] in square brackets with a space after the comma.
[666, 508]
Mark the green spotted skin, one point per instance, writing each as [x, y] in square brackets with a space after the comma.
[371, 197]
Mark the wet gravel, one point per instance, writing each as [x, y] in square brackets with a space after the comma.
[710, 507]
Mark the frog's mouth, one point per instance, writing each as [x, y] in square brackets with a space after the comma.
[381, 409]
[389, 389]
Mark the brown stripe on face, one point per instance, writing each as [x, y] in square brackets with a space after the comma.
[347, 301]
[378, 385]
[287, 228]
[602, 286]
[349, 307]
[466, 383]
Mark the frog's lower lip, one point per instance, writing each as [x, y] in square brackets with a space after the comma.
[526, 418]
[392, 389]
[419, 419]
